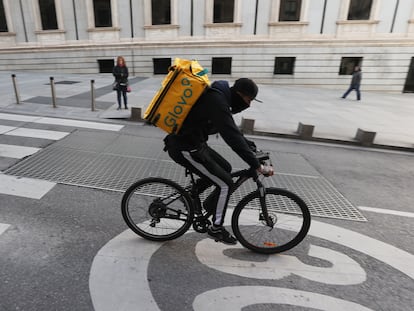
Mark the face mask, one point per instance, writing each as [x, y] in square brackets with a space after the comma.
[237, 103]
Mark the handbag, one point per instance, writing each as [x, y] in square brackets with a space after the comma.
[128, 89]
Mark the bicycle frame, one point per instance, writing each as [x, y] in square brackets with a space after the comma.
[242, 176]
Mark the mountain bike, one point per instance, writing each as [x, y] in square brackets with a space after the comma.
[268, 220]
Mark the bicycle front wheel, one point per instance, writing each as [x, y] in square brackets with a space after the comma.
[288, 213]
[157, 209]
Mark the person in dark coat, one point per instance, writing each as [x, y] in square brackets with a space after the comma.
[212, 114]
[355, 83]
[120, 73]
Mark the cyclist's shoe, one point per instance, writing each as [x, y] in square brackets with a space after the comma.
[221, 235]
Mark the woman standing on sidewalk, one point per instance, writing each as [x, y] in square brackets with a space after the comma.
[120, 73]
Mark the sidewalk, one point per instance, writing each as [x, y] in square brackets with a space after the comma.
[391, 116]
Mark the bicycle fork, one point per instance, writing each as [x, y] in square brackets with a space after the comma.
[264, 215]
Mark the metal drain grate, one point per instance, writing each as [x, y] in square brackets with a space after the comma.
[113, 161]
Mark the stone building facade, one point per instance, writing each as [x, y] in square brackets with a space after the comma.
[289, 42]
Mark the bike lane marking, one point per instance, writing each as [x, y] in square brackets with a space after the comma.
[118, 277]
[344, 270]
[235, 298]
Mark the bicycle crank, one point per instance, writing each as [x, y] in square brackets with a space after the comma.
[201, 225]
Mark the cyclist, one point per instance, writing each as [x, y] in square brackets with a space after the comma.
[210, 115]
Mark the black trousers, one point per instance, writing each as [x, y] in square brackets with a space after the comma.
[207, 163]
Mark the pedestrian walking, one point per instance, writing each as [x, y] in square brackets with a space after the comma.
[120, 73]
[355, 83]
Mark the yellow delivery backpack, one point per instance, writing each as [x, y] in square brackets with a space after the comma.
[180, 89]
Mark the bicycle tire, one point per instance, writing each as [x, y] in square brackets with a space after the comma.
[157, 209]
[289, 212]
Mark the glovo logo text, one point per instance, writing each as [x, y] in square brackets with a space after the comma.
[179, 108]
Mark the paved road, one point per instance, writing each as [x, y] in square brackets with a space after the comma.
[65, 247]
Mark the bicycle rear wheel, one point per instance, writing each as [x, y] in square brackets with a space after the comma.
[288, 212]
[157, 209]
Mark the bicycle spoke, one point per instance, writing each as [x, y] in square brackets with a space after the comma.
[156, 209]
[289, 223]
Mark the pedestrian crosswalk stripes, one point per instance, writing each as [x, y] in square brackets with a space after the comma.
[16, 152]
[3, 228]
[17, 117]
[83, 124]
[5, 129]
[24, 187]
[64, 122]
[35, 133]
[10, 148]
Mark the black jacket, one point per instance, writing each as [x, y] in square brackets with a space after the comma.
[210, 115]
[121, 74]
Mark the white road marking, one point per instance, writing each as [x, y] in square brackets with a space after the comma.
[5, 129]
[342, 271]
[65, 122]
[118, 277]
[17, 152]
[24, 187]
[35, 133]
[3, 228]
[386, 211]
[236, 298]
[17, 117]
[83, 124]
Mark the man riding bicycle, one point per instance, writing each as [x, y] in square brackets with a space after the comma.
[210, 115]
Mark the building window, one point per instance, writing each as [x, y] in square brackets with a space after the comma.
[106, 65]
[161, 65]
[103, 13]
[221, 65]
[48, 14]
[359, 9]
[284, 65]
[223, 11]
[348, 64]
[3, 21]
[290, 10]
[161, 12]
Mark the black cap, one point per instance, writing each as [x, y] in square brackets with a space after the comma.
[247, 87]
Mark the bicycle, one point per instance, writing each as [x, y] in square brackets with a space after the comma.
[269, 220]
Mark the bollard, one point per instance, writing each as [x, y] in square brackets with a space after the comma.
[136, 113]
[93, 95]
[16, 90]
[247, 126]
[365, 138]
[52, 86]
[305, 130]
